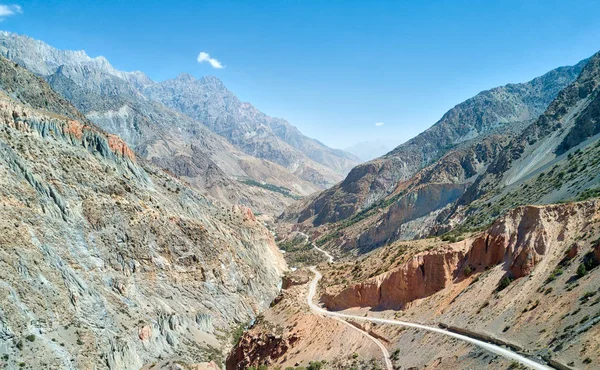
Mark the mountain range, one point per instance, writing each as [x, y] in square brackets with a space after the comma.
[437, 165]
[203, 133]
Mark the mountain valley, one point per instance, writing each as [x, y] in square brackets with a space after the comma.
[170, 225]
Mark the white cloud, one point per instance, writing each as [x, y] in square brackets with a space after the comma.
[379, 124]
[205, 57]
[8, 10]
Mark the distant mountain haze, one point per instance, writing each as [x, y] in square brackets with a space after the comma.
[368, 150]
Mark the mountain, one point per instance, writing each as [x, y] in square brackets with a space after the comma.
[106, 260]
[209, 101]
[508, 108]
[368, 150]
[116, 102]
[553, 159]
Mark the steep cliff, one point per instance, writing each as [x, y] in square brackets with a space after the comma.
[518, 241]
[107, 261]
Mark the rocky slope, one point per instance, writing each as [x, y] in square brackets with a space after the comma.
[116, 101]
[106, 260]
[530, 281]
[252, 131]
[499, 109]
[555, 158]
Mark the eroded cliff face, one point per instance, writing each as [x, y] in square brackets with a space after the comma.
[518, 242]
[107, 261]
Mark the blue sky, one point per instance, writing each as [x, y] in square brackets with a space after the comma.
[332, 68]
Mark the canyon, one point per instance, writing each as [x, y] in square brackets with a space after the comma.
[169, 225]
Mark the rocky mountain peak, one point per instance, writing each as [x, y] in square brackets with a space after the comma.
[212, 80]
[185, 77]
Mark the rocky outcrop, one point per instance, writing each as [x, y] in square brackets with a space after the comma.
[411, 206]
[422, 276]
[519, 241]
[260, 348]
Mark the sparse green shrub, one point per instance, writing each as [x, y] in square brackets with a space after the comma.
[557, 272]
[30, 338]
[468, 270]
[236, 333]
[581, 270]
[587, 296]
[315, 365]
[504, 283]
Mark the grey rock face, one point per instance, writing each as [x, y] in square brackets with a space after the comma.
[107, 261]
[255, 133]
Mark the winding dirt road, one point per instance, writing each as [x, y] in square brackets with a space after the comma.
[506, 353]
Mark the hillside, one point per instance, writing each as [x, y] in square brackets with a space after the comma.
[529, 282]
[507, 108]
[106, 260]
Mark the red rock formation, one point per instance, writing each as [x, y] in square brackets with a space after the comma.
[118, 146]
[519, 240]
[425, 274]
[264, 346]
[28, 120]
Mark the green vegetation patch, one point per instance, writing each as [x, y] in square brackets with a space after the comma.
[274, 188]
